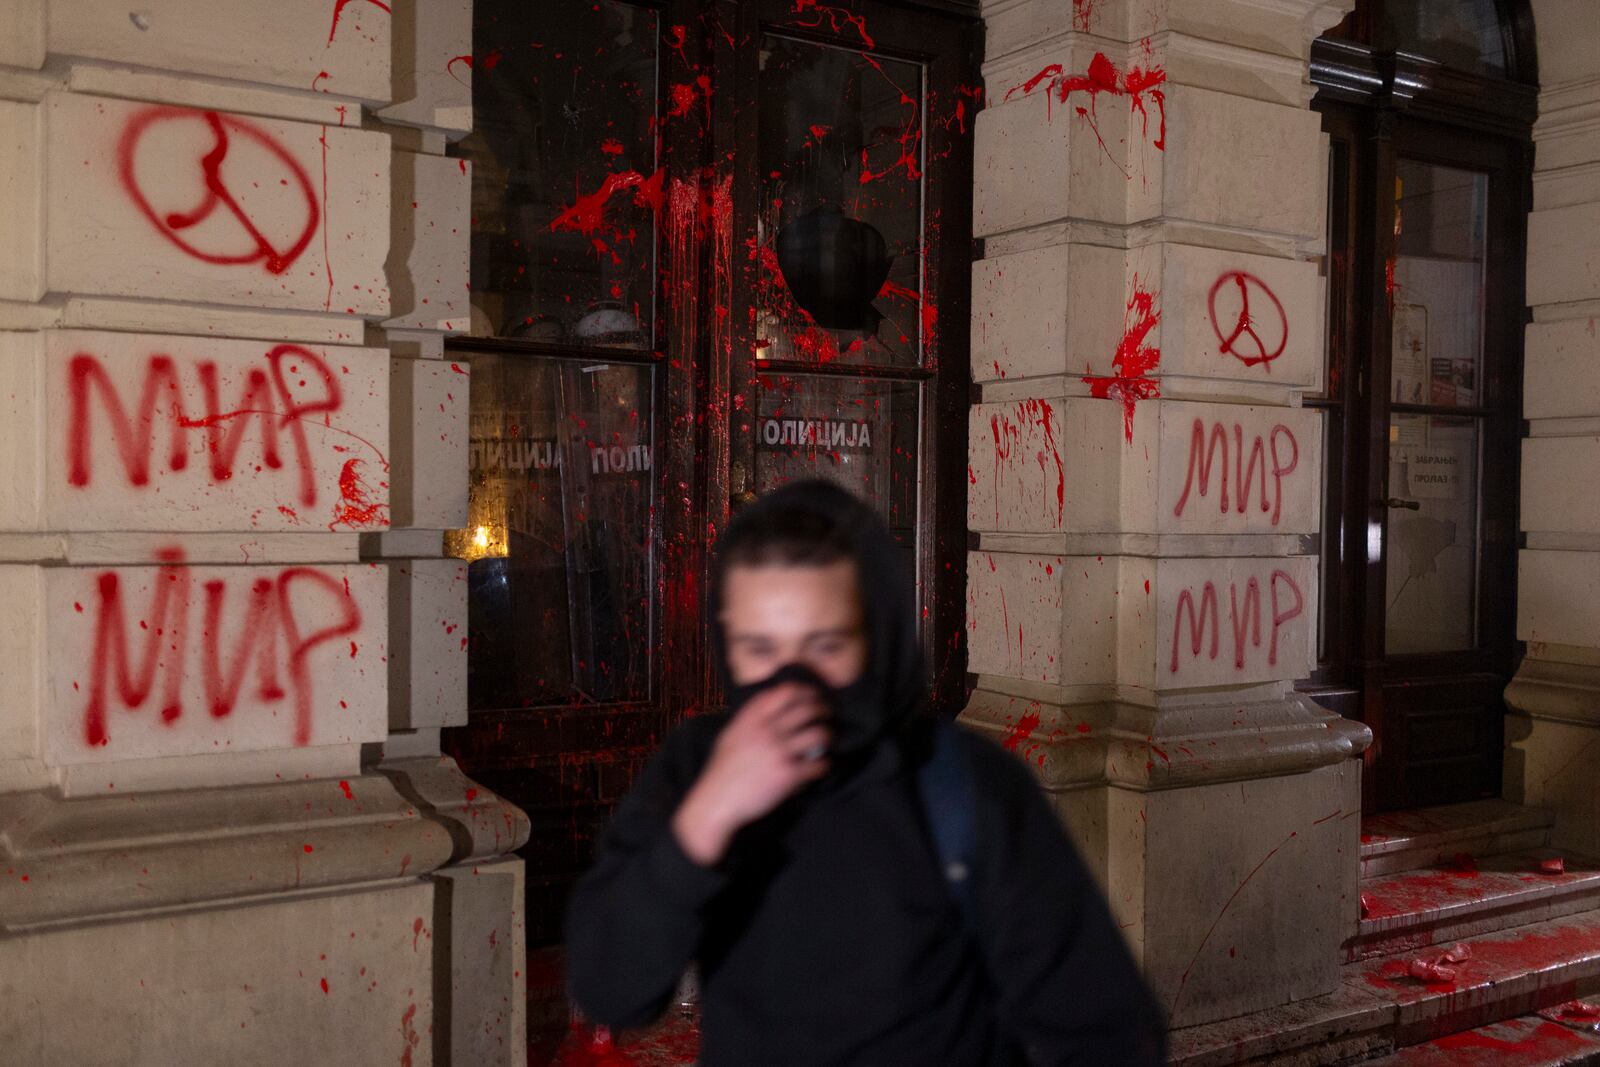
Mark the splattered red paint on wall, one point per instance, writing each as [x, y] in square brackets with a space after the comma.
[1133, 360]
[1102, 76]
[290, 390]
[270, 638]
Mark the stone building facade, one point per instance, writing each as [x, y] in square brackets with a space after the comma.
[233, 245]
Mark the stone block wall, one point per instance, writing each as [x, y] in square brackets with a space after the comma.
[1553, 732]
[231, 246]
[1142, 595]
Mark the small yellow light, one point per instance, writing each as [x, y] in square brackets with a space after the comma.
[480, 539]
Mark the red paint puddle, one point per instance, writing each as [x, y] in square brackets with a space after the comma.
[1133, 360]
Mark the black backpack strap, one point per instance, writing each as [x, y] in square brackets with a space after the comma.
[944, 784]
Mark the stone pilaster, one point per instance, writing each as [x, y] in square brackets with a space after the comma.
[1143, 479]
[1553, 731]
[230, 248]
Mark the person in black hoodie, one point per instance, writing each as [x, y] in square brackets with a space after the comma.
[787, 846]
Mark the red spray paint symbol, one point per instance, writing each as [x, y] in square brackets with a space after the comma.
[275, 257]
[1133, 360]
[1244, 341]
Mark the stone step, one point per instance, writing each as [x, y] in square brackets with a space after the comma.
[1380, 1008]
[1528, 1041]
[1425, 837]
[1411, 910]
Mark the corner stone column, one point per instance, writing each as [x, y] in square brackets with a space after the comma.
[1553, 730]
[1143, 479]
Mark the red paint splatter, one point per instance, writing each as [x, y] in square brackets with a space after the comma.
[683, 98]
[586, 215]
[1082, 14]
[611, 146]
[836, 17]
[356, 507]
[1133, 360]
[338, 9]
[1022, 730]
[1103, 77]
[324, 985]
[676, 42]
[345, 787]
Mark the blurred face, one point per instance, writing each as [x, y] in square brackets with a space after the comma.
[776, 614]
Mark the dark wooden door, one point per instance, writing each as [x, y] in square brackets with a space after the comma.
[1421, 414]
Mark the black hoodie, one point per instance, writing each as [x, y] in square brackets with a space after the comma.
[829, 935]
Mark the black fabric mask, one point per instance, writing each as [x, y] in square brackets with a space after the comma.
[892, 686]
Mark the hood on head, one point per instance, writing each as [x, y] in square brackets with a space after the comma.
[893, 685]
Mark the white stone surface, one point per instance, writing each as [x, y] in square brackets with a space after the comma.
[1046, 311]
[1253, 620]
[1564, 259]
[427, 643]
[1561, 372]
[1237, 316]
[22, 33]
[122, 431]
[297, 215]
[1561, 485]
[21, 240]
[1246, 163]
[430, 399]
[22, 667]
[1236, 468]
[430, 243]
[1556, 597]
[1038, 466]
[239, 985]
[180, 659]
[341, 46]
[1045, 619]
[430, 90]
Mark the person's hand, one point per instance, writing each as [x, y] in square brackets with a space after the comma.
[774, 745]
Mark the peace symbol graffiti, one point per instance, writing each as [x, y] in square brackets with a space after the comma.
[1244, 340]
[242, 241]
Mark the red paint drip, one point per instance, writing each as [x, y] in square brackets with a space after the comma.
[1082, 14]
[1134, 359]
[344, 786]
[338, 9]
[1103, 77]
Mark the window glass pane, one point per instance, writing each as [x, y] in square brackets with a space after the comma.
[839, 227]
[560, 499]
[858, 432]
[564, 173]
[1437, 285]
[1432, 555]
[1464, 34]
